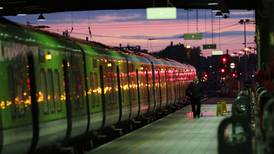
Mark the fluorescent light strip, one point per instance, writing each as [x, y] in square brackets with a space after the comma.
[215, 11]
[213, 4]
[21, 14]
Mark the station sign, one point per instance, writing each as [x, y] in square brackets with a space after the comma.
[157, 13]
[217, 52]
[193, 36]
[209, 46]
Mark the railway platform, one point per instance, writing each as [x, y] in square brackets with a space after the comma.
[177, 133]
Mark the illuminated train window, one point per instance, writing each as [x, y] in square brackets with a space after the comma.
[19, 89]
[51, 98]
[44, 90]
[77, 90]
[58, 91]
[96, 86]
[92, 90]
[94, 63]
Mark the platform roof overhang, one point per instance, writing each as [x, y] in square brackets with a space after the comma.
[14, 7]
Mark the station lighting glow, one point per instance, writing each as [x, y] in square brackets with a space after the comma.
[224, 60]
[217, 52]
[1, 7]
[215, 11]
[21, 14]
[109, 65]
[232, 65]
[188, 46]
[222, 70]
[246, 49]
[212, 4]
[48, 56]
[233, 75]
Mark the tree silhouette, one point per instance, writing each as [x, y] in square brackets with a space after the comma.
[182, 54]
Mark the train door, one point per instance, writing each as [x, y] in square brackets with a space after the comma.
[124, 88]
[52, 108]
[163, 88]
[110, 97]
[144, 93]
[150, 87]
[18, 109]
[176, 84]
[157, 89]
[94, 93]
[133, 89]
[73, 73]
[167, 88]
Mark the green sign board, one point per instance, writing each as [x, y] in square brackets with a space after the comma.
[209, 46]
[193, 36]
[161, 13]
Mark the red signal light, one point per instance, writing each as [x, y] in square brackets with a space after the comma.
[222, 70]
[224, 60]
[233, 75]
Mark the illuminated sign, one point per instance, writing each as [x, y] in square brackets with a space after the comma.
[193, 36]
[217, 52]
[209, 46]
[161, 13]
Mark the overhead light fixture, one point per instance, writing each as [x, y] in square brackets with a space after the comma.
[219, 14]
[215, 10]
[213, 4]
[226, 11]
[21, 14]
[1, 7]
[226, 16]
[41, 18]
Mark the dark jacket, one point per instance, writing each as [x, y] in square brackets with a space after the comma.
[194, 90]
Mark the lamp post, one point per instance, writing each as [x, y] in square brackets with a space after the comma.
[244, 22]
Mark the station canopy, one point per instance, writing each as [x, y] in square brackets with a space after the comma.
[15, 7]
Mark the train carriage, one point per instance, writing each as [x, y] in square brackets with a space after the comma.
[35, 110]
[55, 89]
[159, 81]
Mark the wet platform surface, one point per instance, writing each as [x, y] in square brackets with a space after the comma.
[177, 133]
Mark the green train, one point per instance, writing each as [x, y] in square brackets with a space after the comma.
[55, 88]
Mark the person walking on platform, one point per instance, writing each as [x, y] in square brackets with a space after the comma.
[194, 92]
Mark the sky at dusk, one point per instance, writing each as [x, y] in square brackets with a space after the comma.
[113, 27]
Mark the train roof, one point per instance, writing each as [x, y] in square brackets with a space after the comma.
[19, 33]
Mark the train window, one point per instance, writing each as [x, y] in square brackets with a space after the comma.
[94, 63]
[58, 91]
[132, 68]
[51, 99]
[96, 86]
[77, 92]
[19, 88]
[44, 90]
[92, 87]
[2, 50]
